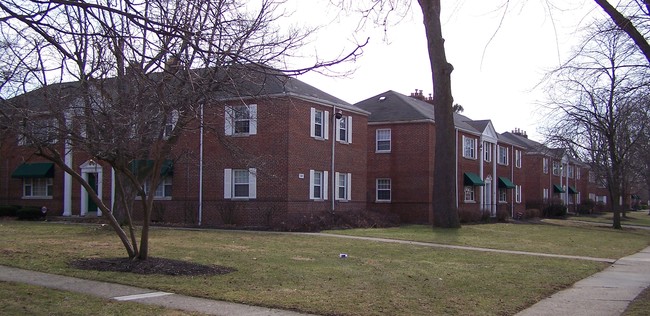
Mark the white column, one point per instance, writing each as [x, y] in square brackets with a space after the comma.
[67, 181]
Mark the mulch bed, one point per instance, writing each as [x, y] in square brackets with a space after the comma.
[150, 266]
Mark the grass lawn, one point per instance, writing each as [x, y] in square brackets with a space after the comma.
[640, 306]
[637, 218]
[554, 236]
[304, 272]
[23, 299]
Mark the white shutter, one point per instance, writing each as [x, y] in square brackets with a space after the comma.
[326, 181]
[350, 129]
[229, 115]
[337, 127]
[336, 186]
[326, 125]
[311, 184]
[227, 183]
[312, 123]
[349, 187]
[252, 112]
[252, 183]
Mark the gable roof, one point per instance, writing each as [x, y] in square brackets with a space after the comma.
[391, 106]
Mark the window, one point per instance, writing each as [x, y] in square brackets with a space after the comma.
[318, 185]
[503, 155]
[577, 173]
[383, 190]
[518, 158]
[343, 186]
[503, 195]
[319, 124]
[570, 171]
[487, 151]
[545, 195]
[383, 140]
[518, 193]
[545, 165]
[469, 194]
[592, 177]
[241, 120]
[40, 130]
[164, 189]
[170, 124]
[38, 187]
[344, 130]
[469, 147]
[240, 183]
[557, 168]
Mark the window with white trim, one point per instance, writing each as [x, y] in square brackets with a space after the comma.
[343, 186]
[570, 171]
[592, 177]
[577, 173]
[163, 190]
[503, 195]
[383, 140]
[318, 185]
[319, 127]
[469, 147]
[170, 124]
[517, 158]
[469, 193]
[240, 183]
[344, 130]
[38, 130]
[487, 151]
[38, 187]
[557, 168]
[545, 165]
[502, 158]
[383, 190]
[241, 120]
[545, 194]
[518, 193]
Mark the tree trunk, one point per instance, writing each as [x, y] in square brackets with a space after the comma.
[445, 212]
[626, 25]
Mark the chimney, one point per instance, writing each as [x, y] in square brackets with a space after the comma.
[520, 132]
[418, 94]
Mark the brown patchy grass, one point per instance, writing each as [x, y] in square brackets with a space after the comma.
[273, 270]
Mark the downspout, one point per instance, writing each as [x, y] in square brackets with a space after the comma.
[456, 171]
[480, 170]
[495, 179]
[112, 189]
[333, 188]
[200, 211]
[512, 178]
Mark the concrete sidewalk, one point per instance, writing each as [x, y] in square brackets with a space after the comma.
[129, 293]
[606, 293]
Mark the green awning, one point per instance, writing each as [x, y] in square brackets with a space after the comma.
[506, 183]
[636, 197]
[573, 190]
[558, 188]
[142, 166]
[34, 170]
[472, 179]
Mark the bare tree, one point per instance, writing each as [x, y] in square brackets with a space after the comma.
[137, 74]
[596, 102]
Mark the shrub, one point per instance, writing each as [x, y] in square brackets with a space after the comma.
[30, 213]
[555, 209]
[468, 216]
[344, 219]
[8, 210]
[532, 213]
[586, 207]
[502, 215]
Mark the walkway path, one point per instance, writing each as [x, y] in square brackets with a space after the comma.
[606, 293]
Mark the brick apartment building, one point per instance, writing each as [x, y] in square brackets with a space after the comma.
[282, 149]
[401, 141]
[285, 150]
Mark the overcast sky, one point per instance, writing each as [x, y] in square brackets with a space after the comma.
[497, 68]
